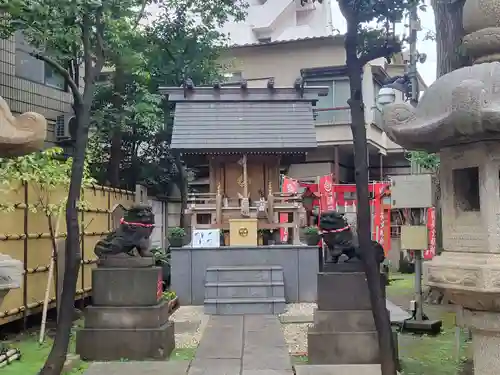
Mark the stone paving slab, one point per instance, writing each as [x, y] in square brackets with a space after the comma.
[397, 315]
[338, 370]
[267, 372]
[222, 338]
[138, 368]
[211, 366]
[265, 346]
[242, 345]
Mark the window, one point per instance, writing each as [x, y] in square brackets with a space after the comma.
[466, 189]
[32, 69]
[264, 40]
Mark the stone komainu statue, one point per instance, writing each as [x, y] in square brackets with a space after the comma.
[340, 239]
[20, 135]
[133, 233]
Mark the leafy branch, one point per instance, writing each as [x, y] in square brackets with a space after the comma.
[46, 173]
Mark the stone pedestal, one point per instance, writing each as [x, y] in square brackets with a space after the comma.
[344, 330]
[128, 319]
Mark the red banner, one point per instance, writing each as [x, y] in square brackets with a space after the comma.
[289, 186]
[378, 214]
[327, 200]
[431, 228]
[159, 286]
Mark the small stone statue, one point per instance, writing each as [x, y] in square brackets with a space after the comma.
[133, 233]
[340, 239]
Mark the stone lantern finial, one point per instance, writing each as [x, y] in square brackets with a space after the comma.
[481, 21]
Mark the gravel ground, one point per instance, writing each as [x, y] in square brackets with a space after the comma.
[296, 337]
[296, 334]
[299, 309]
[190, 314]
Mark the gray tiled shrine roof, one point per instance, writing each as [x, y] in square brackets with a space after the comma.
[235, 120]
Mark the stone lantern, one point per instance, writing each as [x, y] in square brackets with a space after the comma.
[459, 117]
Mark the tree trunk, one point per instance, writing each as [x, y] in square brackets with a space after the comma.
[183, 189]
[371, 265]
[449, 34]
[57, 356]
[115, 154]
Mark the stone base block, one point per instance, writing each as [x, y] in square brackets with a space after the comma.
[126, 317]
[129, 344]
[338, 370]
[125, 261]
[126, 286]
[343, 291]
[422, 326]
[332, 348]
[344, 321]
[343, 267]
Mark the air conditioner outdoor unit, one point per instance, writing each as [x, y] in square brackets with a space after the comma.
[65, 128]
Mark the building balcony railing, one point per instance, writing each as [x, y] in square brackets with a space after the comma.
[332, 116]
[333, 126]
[342, 116]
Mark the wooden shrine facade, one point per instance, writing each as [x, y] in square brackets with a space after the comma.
[244, 133]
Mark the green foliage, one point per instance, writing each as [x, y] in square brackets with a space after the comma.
[169, 295]
[46, 173]
[176, 232]
[183, 41]
[160, 255]
[424, 160]
[311, 230]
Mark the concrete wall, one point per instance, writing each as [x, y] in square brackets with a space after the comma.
[300, 266]
[284, 61]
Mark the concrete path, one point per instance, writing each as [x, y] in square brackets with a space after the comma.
[242, 345]
[230, 345]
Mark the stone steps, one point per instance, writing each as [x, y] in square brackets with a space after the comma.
[245, 289]
[235, 290]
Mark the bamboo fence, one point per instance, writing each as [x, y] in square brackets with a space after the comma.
[24, 235]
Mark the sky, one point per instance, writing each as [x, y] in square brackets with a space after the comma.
[428, 69]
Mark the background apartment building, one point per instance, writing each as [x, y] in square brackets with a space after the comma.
[28, 84]
[284, 40]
